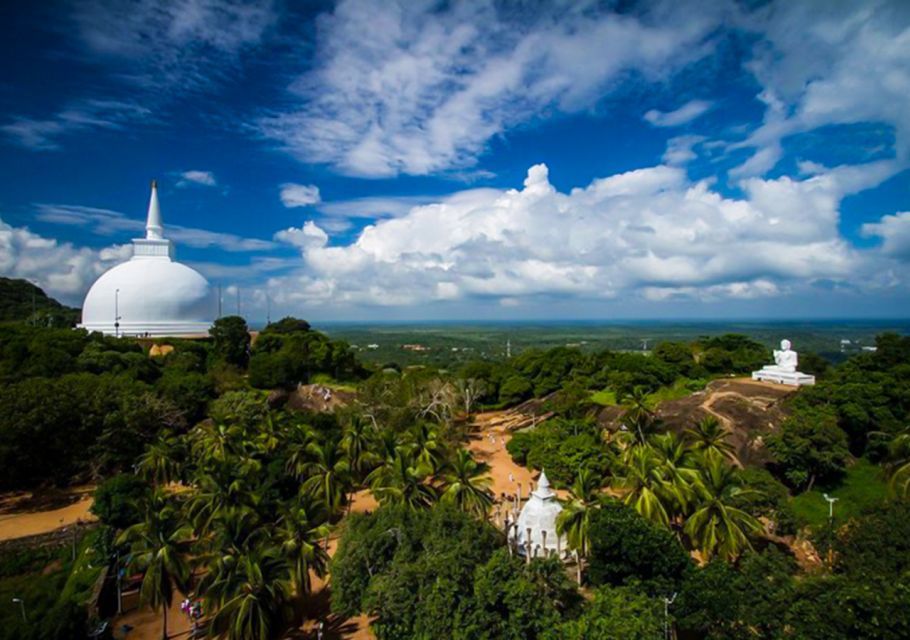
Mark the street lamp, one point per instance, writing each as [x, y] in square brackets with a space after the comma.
[667, 603]
[831, 502]
[117, 313]
[21, 604]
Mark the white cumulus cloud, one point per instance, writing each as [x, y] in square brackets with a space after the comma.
[309, 236]
[649, 233]
[63, 270]
[894, 230]
[299, 195]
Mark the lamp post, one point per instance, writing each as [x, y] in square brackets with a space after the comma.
[831, 502]
[21, 604]
[117, 313]
[667, 603]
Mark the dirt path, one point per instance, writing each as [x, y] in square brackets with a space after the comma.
[18, 524]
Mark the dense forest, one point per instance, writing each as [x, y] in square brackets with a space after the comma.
[211, 481]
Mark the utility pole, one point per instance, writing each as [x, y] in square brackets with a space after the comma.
[220, 301]
[831, 502]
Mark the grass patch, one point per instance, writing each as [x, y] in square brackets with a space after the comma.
[605, 398]
[863, 486]
[680, 388]
[326, 380]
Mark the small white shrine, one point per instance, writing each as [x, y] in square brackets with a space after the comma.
[535, 532]
[784, 371]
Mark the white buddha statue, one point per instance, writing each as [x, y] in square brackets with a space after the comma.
[784, 368]
[785, 359]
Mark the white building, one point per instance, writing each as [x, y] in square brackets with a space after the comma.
[538, 517]
[151, 294]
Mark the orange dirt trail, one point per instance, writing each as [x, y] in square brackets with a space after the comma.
[29, 523]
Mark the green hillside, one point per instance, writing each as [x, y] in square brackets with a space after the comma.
[21, 301]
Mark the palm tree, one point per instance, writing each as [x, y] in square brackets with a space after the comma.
[641, 476]
[424, 439]
[638, 417]
[467, 485]
[300, 540]
[674, 454]
[401, 481]
[899, 463]
[710, 435]
[160, 464]
[228, 484]
[329, 474]
[216, 442]
[574, 519]
[160, 544]
[357, 445]
[251, 600]
[716, 527]
[297, 457]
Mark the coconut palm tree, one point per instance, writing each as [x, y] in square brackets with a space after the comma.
[296, 455]
[160, 544]
[574, 519]
[160, 464]
[715, 526]
[357, 444]
[423, 437]
[710, 435]
[641, 477]
[228, 484]
[300, 536]
[467, 485]
[216, 442]
[675, 454]
[328, 474]
[638, 418]
[402, 481]
[251, 600]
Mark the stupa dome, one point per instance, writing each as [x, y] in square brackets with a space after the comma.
[539, 515]
[150, 294]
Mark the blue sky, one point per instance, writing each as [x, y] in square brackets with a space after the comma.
[476, 160]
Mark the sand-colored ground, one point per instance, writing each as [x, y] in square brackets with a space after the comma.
[488, 444]
[21, 515]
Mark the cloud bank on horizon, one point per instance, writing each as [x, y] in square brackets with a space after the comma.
[672, 160]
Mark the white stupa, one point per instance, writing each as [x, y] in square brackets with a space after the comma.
[539, 516]
[151, 294]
